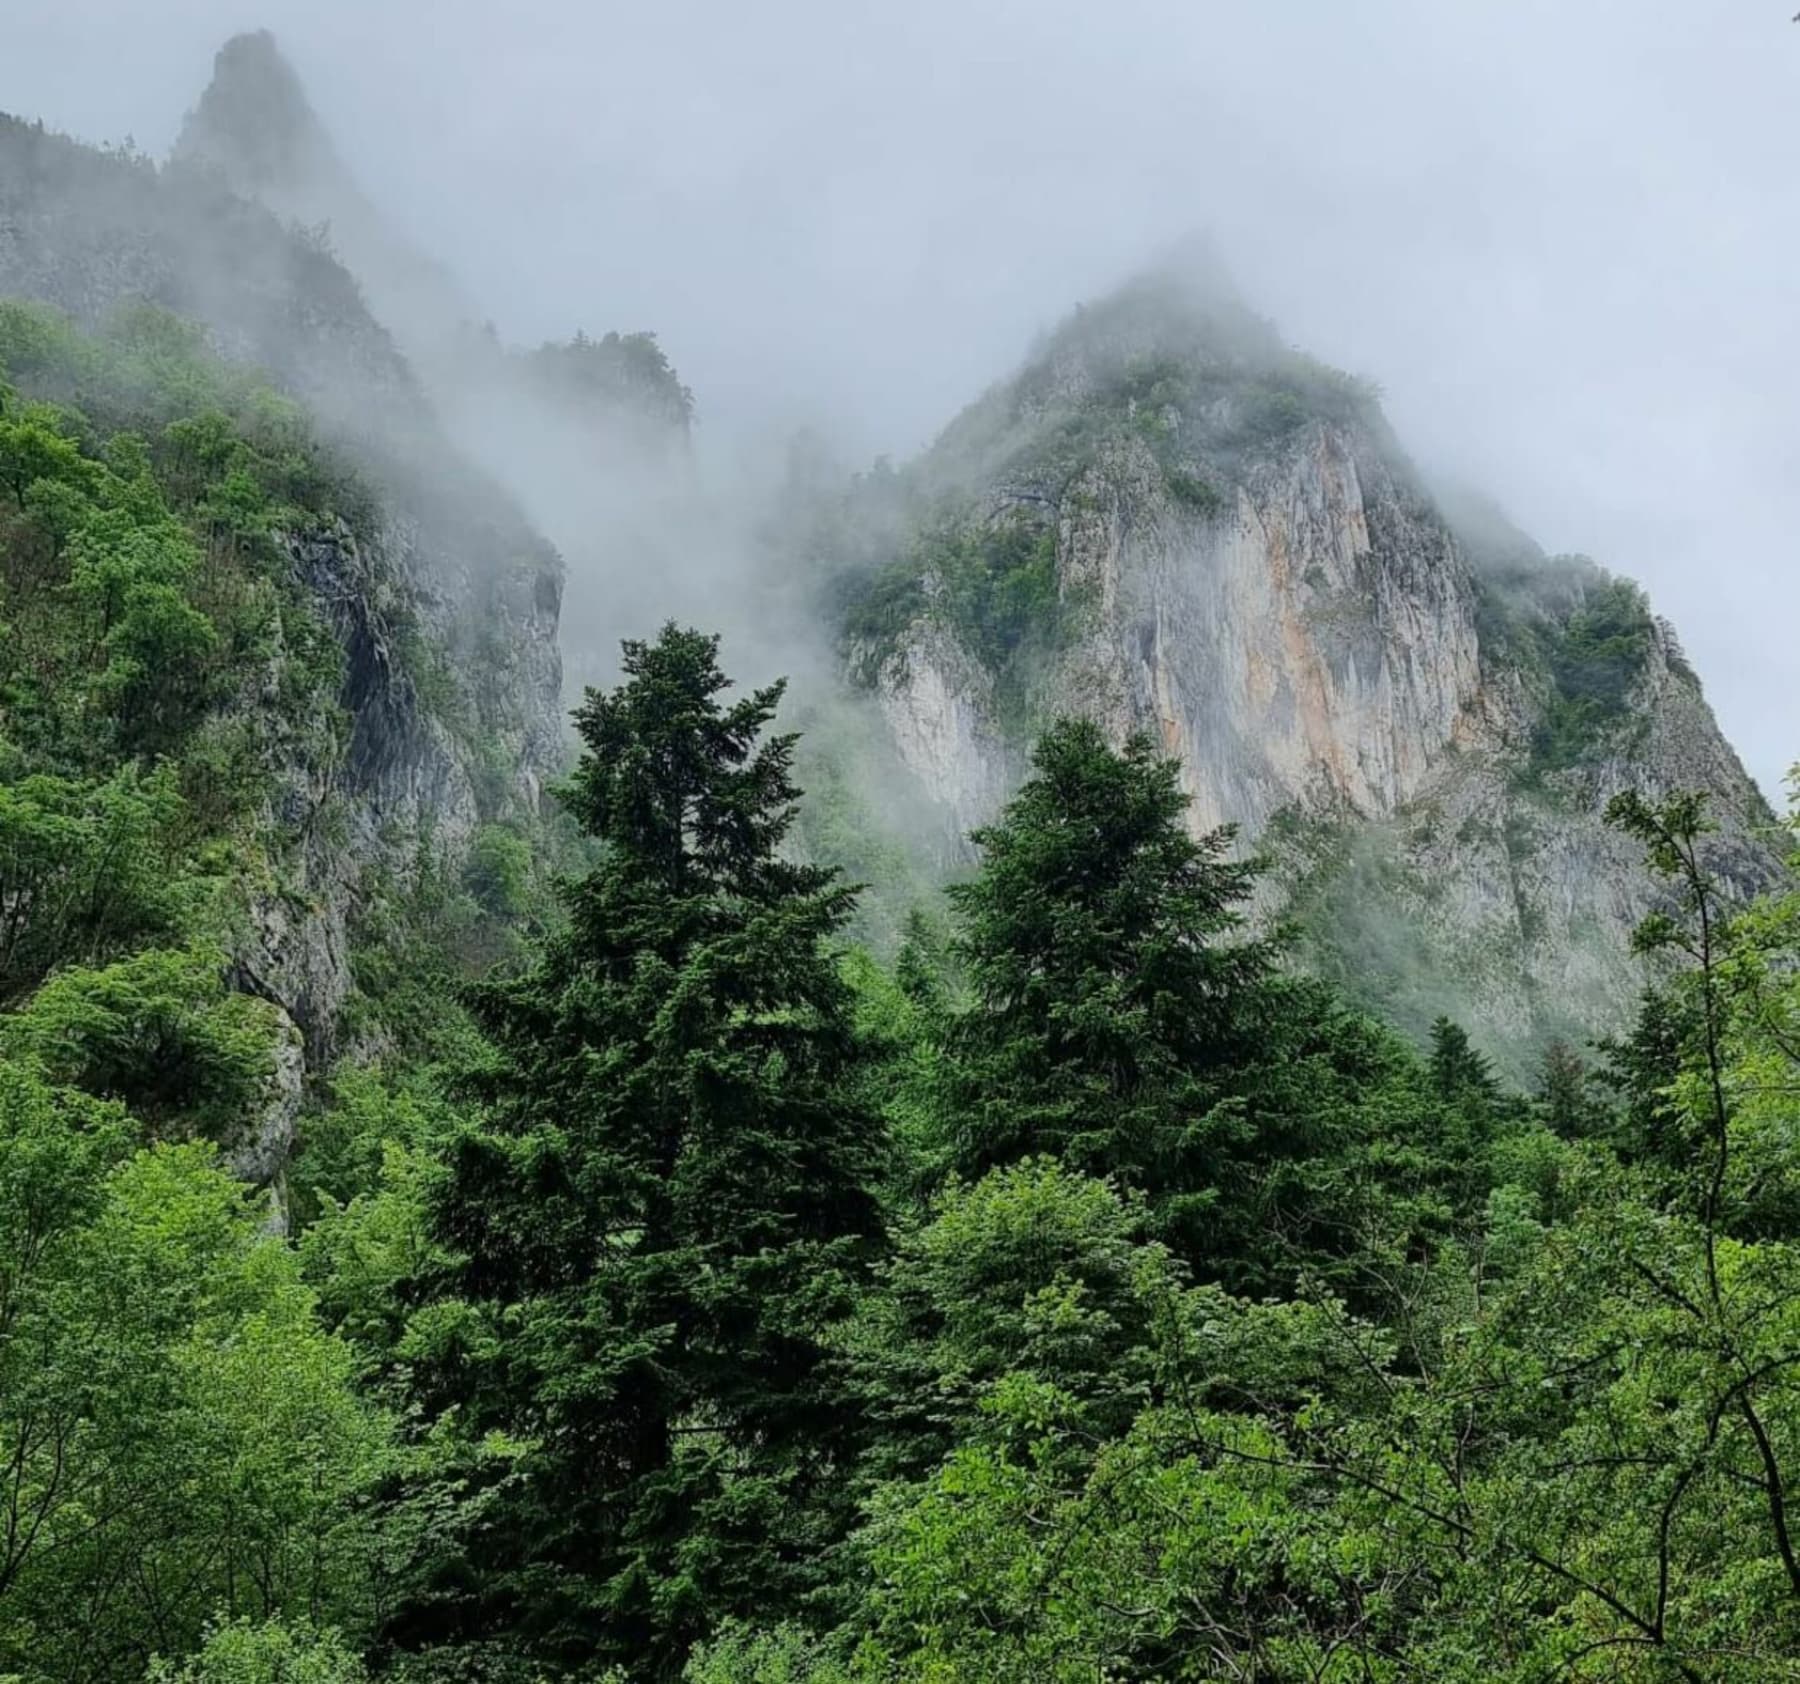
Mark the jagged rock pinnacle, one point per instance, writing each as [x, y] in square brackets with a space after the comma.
[254, 122]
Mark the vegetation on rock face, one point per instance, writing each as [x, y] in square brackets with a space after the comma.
[1146, 392]
[1583, 640]
[165, 678]
[181, 1437]
[1595, 658]
[994, 585]
[628, 371]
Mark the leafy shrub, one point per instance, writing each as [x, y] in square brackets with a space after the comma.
[1192, 492]
[995, 585]
[85, 869]
[498, 871]
[242, 1652]
[159, 1031]
[1594, 658]
[787, 1655]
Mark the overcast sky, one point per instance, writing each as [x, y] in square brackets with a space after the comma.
[1563, 235]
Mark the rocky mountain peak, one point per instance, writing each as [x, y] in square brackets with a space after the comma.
[254, 123]
[1174, 524]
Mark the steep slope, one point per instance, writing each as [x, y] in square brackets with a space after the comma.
[1171, 523]
[441, 597]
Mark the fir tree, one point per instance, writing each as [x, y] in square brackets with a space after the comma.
[1459, 1071]
[667, 1198]
[1114, 989]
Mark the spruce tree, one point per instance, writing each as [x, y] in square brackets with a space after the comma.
[666, 1200]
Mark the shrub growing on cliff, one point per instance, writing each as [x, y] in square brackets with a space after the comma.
[161, 1032]
[1593, 657]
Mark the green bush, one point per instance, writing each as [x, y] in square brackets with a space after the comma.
[242, 1652]
[1193, 493]
[1594, 658]
[160, 1032]
[995, 585]
[498, 871]
[85, 869]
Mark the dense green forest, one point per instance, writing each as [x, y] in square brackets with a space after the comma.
[671, 1289]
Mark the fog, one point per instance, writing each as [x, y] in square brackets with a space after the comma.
[1562, 239]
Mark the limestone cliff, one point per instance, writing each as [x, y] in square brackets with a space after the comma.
[1171, 523]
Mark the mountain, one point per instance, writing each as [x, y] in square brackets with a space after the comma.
[255, 132]
[1172, 522]
[441, 595]
[1169, 521]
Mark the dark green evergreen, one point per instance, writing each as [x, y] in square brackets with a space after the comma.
[1123, 1018]
[1104, 950]
[665, 1200]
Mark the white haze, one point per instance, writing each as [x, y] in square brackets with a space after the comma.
[1562, 238]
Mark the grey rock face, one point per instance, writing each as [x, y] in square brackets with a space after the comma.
[1297, 623]
[260, 1156]
[1314, 641]
[938, 702]
[409, 777]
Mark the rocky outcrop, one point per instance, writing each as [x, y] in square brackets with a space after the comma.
[261, 1155]
[1247, 569]
[1313, 640]
[938, 702]
[591, 435]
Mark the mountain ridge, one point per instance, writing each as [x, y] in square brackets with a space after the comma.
[1165, 519]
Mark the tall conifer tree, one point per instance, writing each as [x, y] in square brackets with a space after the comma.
[667, 1197]
[1115, 989]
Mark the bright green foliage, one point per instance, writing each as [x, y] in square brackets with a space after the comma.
[665, 1200]
[498, 872]
[1570, 1454]
[241, 1652]
[1034, 1272]
[34, 449]
[176, 1434]
[85, 869]
[137, 574]
[1037, 1551]
[159, 1031]
[786, 1655]
[179, 1438]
